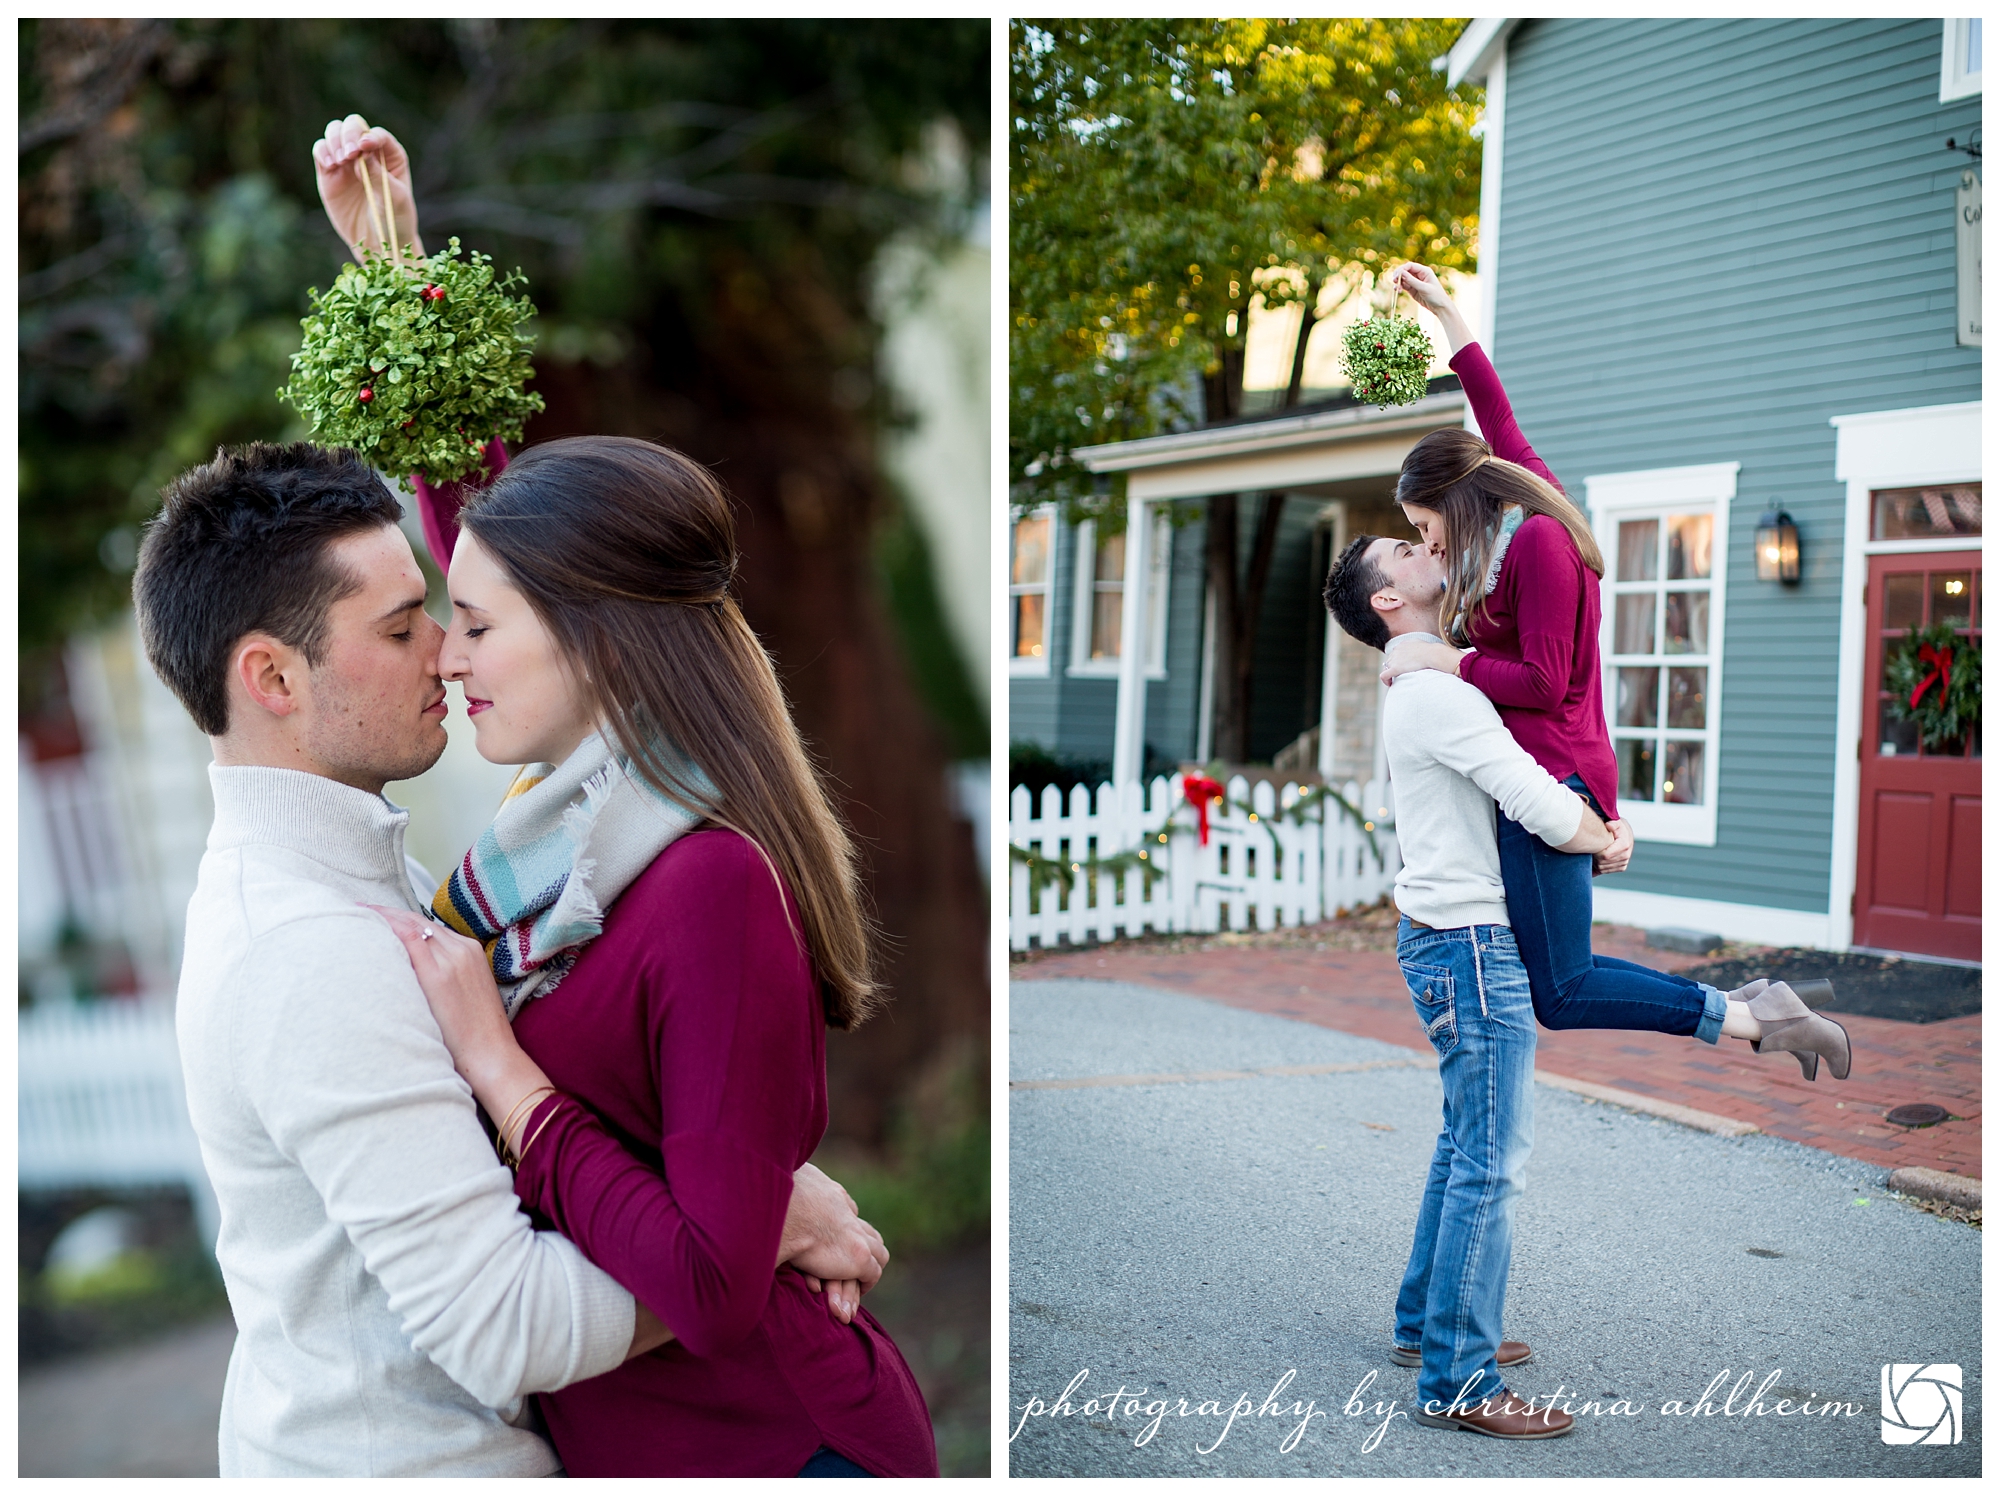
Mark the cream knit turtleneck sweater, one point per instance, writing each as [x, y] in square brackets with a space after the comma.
[393, 1305]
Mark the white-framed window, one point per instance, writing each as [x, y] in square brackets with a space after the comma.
[1959, 76]
[1030, 573]
[1665, 538]
[1096, 642]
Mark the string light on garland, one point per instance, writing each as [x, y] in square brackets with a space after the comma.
[1932, 677]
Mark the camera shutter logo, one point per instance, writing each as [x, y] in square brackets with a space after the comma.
[1922, 1404]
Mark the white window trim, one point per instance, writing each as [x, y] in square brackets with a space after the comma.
[1032, 667]
[1083, 595]
[1614, 496]
[1954, 82]
[1914, 448]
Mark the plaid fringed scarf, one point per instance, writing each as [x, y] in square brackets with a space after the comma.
[569, 839]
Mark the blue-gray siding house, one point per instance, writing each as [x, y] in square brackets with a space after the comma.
[1729, 268]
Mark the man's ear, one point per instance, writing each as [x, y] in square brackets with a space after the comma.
[271, 674]
[1388, 600]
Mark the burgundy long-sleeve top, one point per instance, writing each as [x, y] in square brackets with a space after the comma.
[689, 1049]
[1536, 639]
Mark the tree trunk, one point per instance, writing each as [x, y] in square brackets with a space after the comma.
[1306, 324]
[1238, 602]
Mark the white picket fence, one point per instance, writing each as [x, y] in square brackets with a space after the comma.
[102, 1102]
[1261, 868]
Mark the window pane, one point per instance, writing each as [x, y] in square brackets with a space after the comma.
[1687, 697]
[1031, 550]
[1682, 782]
[1926, 513]
[1687, 623]
[1028, 611]
[1638, 550]
[1111, 558]
[1635, 768]
[1634, 634]
[1688, 537]
[1899, 735]
[1951, 597]
[1639, 696]
[1903, 602]
[1107, 611]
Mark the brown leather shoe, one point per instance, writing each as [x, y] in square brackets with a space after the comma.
[1511, 1353]
[1501, 1416]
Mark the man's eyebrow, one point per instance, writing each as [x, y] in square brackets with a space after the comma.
[399, 610]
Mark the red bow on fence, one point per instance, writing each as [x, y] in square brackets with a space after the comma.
[1940, 664]
[1199, 792]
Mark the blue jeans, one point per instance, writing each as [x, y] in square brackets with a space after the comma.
[1472, 998]
[826, 1463]
[1548, 904]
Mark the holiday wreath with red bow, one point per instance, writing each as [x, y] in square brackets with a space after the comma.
[1932, 678]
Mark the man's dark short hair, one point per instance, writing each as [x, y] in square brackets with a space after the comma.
[1353, 580]
[240, 547]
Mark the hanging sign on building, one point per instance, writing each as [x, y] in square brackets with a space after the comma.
[1968, 260]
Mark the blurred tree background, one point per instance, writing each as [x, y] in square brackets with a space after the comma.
[700, 207]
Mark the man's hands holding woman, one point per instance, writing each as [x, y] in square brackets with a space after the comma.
[349, 147]
[824, 1237]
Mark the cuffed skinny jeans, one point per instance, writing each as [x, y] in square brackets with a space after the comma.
[1472, 998]
[1549, 906]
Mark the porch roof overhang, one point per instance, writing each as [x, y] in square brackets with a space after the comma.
[1472, 55]
[1288, 452]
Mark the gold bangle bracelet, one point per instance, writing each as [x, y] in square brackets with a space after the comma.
[529, 1101]
[531, 1140]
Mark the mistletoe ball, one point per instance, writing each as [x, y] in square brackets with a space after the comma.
[417, 365]
[1388, 360]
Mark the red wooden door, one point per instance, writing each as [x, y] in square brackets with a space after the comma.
[1917, 872]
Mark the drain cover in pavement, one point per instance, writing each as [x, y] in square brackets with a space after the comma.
[1918, 1114]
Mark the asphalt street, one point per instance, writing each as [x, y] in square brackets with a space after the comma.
[1200, 1243]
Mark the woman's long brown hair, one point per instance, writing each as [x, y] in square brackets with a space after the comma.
[1456, 474]
[626, 551]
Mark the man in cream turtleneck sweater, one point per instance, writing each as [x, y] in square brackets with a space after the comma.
[393, 1305]
[1452, 759]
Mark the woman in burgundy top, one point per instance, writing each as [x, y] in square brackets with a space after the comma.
[664, 1076]
[1521, 594]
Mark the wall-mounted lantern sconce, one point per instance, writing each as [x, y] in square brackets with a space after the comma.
[1777, 548]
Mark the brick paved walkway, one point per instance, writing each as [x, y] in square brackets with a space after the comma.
[1361, 992]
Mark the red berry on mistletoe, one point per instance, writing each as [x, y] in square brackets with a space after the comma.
[366, 394]
[433, 293]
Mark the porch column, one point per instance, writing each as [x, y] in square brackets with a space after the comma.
[1128, 751]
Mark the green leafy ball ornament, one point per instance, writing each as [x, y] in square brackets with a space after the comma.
[417, 363]
[1388, 360]
[1932, 678]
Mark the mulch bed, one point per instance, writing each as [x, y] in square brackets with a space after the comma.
[1911, 991]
